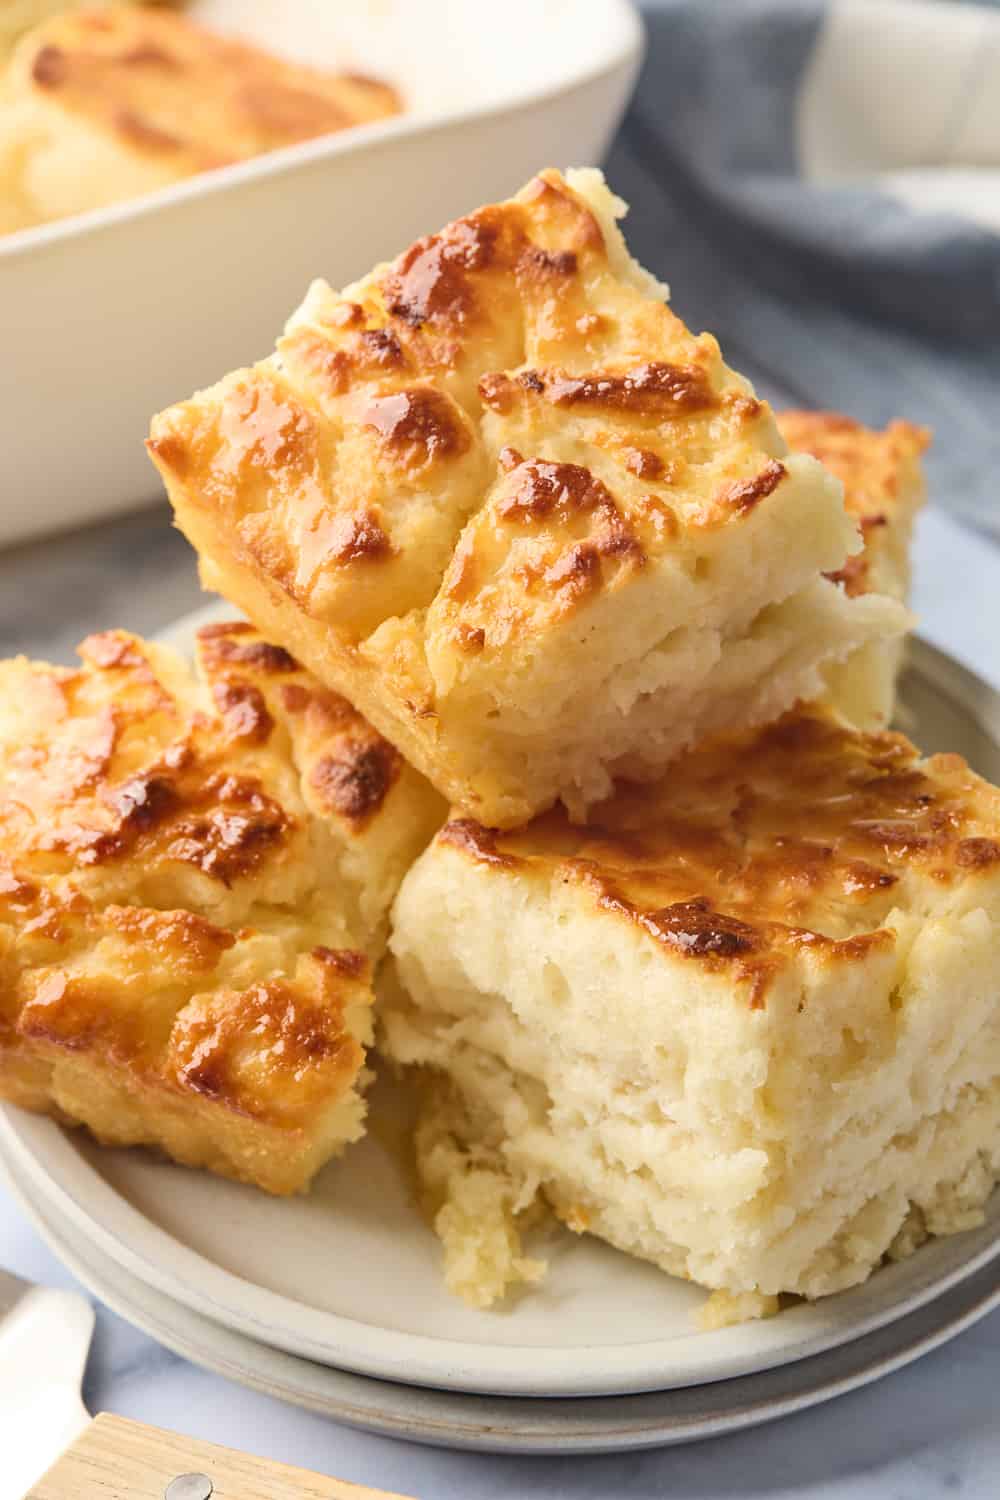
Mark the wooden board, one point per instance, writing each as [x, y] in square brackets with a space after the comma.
[120, 1460]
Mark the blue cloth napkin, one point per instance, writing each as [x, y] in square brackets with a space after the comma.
[819, 182]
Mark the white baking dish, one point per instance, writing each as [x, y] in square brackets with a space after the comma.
[106, 317]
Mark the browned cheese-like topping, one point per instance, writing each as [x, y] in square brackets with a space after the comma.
[113, 648]
[470, 441]
[576, 543]
[417, 426]
[355, 779]
[482, 843]
[477, 270]
[978, 853]
[265, 428]
[543, 264]
[171, 451]
[165, 85]
[356, 539]
[295, 698]
[275, 1052]
[70, 1012]
[429, 283]
[225, 646]
[225, 826]
[655, 390]
[244, 711]
[744, 494]
[358, 355]
[348, 766]
[759, 846]
[547, 492]
[694, 928]
[470, 638]
[292, 114]
[178, 937]
[509, 458]
[853, 576]
[561, 491]
[644, 464]
[869, 463]
[303, 1037]
[140, 808]
[344, 961]
[117, 770]
[50, 67]
[651, 390]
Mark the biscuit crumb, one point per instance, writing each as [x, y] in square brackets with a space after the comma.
[480, 1209]
[724, 1309]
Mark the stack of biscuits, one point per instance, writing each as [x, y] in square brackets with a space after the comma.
[569, 677]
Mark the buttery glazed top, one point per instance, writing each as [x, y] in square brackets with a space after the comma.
[170, 91]
[500, 427]
[191, 1010]
[172, 897]
[879, 471]
[129, 776]
[801, 836]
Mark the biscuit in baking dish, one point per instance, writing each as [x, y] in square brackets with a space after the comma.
[19, 16]
[883, 490]
[194, 882]
[745, 1025]
[502, 498]
[106, 104]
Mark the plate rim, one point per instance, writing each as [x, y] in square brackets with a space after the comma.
[534, 1372]
[175, 1269]
[476, 1423]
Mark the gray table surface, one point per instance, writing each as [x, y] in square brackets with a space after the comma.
[929, 1432]
[138, 572]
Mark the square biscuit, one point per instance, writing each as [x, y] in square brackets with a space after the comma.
[537, 531]
[104, 104]
[883, 490]
[195, 878]
[745, 1025]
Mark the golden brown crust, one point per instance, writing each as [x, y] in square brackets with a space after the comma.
[482, 843]
[179, 938]
[745, 493]
[416, 426]
[553, 538]
[878, 470]
[390, 410]
[165, 88]
[278, 1050]
[226, 643]
[650, 390]
[144, 994]
[866, 460]
[455, 479]
[355, 780]
[798, 837]
[348, 769]
[108, 765]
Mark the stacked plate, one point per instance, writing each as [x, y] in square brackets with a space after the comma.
[335, 1301]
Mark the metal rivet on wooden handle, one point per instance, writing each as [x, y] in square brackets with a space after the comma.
[189, 1487]
[132, 1462]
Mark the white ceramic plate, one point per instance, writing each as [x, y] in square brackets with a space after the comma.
[501, 1425]
[350, 1276]
[109, 316]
